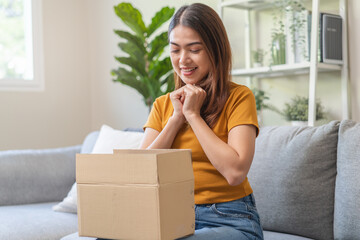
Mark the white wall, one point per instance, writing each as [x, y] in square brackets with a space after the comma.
[60, 115]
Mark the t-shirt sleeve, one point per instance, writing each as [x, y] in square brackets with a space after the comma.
[154, 118]
[242, 109]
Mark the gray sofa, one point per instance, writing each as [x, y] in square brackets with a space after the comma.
[31, 183]
[305, 181]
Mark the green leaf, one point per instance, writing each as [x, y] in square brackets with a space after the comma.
[169, 80]
[152, 88]
[157, 45]
[159, 19]
[140, 43]
[128, 78]
[131, 17]
[134, 64]
[133, 51]
[157, 69]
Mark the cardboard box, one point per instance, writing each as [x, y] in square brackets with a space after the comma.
[136, 194]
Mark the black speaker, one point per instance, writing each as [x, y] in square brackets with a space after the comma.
[331, 38]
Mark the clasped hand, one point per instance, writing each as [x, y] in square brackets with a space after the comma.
[187, 101]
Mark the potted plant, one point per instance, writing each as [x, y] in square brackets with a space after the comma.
[144, 69]
[260, 98]
[278, 45]
[289, 31]
[297, 110]
[258, 57]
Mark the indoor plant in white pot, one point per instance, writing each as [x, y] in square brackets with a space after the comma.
[296, 111]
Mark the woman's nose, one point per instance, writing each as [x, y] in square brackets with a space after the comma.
[184, 57]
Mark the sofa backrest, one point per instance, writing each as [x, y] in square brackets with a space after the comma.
[347, 191]
[33, 176]
[89, 142]
[293, 178]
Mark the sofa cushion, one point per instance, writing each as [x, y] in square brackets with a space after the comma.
[347, 191]
[282, 236]
[75, 236]
[110, 139]
[293, 178]
[89, 142]
[35, 222]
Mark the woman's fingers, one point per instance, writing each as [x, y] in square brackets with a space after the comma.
[194, 99]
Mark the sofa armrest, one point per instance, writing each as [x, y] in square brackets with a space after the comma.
[33, 176]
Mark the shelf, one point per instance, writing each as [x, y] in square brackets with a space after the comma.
[247, 4]
[304, 68]
[284, 70]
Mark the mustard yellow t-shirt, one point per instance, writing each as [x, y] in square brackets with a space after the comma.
[210, 185]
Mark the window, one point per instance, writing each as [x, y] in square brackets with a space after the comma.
[21, 54]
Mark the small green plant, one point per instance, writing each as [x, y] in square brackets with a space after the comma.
[287, 20]
[144, 69]
[258, 57]
[278, 51]
[297, 109]
[260, 98]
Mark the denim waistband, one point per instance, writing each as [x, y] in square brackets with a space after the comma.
[247, 199]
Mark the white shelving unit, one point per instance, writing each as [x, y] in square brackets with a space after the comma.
[311, 68]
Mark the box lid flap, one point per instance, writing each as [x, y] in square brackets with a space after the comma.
[134, 167]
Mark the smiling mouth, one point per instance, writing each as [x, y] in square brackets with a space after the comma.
[188, 69]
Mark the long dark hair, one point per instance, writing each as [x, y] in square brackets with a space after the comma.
[207, 23]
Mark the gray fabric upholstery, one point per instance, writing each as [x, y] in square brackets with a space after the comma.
[34, 176]
[347, 198]
[267, 236]
[293, 178]
[35, 222]
[75, 236]
[89, 142]
[282, 236]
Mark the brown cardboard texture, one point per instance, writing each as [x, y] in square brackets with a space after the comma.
[136, 194]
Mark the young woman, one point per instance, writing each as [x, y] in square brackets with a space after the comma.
[213, 117]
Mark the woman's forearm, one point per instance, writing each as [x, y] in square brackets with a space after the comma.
[166, 137]
[222, 156]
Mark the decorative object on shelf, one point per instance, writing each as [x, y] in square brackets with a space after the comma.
[330, 43]
[278, 53]
[144, 69]
[258, 57]
[289, 36]
[297, 110]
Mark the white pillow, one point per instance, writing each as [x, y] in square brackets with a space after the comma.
[108, 140]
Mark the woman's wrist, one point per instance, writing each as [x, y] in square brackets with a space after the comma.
[191, 117]
[177, 120]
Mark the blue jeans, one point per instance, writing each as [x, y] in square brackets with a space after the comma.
[232, 220]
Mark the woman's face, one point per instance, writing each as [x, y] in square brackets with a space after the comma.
[188, 55]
